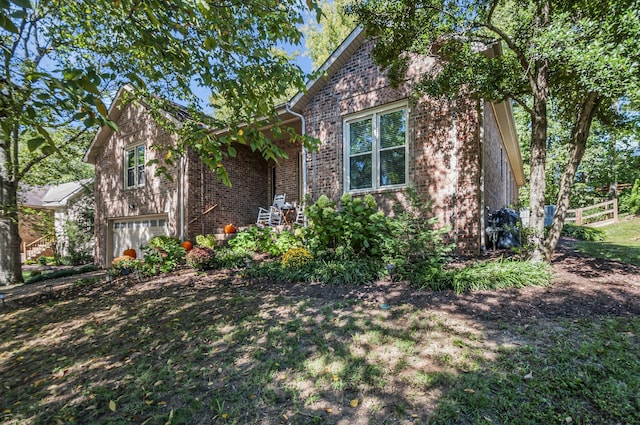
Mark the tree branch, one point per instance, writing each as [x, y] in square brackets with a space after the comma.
[29, 165]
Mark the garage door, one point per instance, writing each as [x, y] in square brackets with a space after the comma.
[133, 233]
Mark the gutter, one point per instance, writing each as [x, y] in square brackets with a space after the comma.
[181, 198]
[304, 151]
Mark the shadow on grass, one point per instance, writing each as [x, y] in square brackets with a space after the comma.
[215, 349]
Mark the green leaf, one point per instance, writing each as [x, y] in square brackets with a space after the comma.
[22, 3]
[112, 124]
[35, 143]
[209, 43]
[49, 150]
[101, 108]
[71, 74]
[5, 22]
[232, 152]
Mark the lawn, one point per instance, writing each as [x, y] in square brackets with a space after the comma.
[622, 242]
[215, 348]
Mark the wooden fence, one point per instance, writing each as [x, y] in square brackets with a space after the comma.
[594, 214]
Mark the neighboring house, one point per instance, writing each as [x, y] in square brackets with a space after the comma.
[463, 154]
[45, 213]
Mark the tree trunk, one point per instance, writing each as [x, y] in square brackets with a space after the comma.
[537, 181]
[537, 178]
[578, 143]
[10, 261]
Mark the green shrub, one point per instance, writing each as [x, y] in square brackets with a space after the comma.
[356, 229]
[208, 241]
[283, 243]
[583, 233]
[489, 275]
[229, 258]
[253, 239]
[330, 272]
[162, 255]
[124, 265]
[201, 258]
[265, 240]
[356, 271]
[296, 258]
[413, 243]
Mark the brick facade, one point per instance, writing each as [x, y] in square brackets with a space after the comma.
[453, 146]
[444, 143]
[159, 195]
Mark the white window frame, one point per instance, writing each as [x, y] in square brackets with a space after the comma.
[374, 114]
[136, 175]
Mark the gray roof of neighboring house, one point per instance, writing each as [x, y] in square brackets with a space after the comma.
[50, 196]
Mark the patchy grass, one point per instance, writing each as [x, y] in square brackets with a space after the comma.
[621, 243]
[188, 349]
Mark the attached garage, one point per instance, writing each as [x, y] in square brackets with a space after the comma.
[136, 232]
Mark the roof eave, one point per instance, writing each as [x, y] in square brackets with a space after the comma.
[507, 127]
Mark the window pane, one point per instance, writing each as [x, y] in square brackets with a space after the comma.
[131, 181]
[360, 171]
[140, 155]
[131, 158]
[392, 167]
[392, 129]
[141, 175]
[360, 136]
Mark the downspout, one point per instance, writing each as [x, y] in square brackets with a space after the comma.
[304, 151]
[456, 171]
[483, 241]
[181, 197]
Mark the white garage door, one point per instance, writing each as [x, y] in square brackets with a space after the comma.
[134, 233]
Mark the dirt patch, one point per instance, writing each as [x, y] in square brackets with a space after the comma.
[582, 286]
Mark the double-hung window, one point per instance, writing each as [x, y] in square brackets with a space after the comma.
[375, 146]
[134, 166]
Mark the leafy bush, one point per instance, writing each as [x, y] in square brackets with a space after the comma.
[162, 255]
[253, 239]
[330, 272]
[296, 258]
[413, 243]
[201, 258]
[229, 258]
[346, 272]
[264, 239]
[124, 264]
[356, 229]
[208, 241]
[583, 232]
[283, 243]
[490, 275]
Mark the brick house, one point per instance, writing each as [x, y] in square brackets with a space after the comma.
[373, 139]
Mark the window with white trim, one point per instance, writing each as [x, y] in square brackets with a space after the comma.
[376, 153]
[134, 166]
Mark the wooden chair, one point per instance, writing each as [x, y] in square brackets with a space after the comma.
[272, 216]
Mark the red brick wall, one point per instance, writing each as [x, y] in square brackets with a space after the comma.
[443, 143]
[158, 195]
[251, 179]
[237, 204]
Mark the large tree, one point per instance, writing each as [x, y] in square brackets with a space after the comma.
[323, 37]
[581, 55]
[60, 58]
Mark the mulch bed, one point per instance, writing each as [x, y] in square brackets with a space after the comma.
[583, 287]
